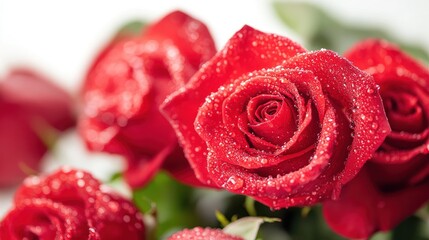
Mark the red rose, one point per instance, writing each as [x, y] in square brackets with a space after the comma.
[395, 183]
[273, 121]
[199, 233]
[70, 204]
[31, 108]
[126, 85]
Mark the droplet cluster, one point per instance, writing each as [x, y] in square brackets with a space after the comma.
[75, 206]
[199, 233]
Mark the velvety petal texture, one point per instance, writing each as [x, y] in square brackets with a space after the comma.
[404, 88]
[199, 233]
[127, 83]
[33, 111]
[268, 119]
[70, 204]
[395, 183]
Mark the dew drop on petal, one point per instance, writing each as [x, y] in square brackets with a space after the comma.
[234, 183]
[79, 174]
[46, 190]
[126, 218]
[81, 183]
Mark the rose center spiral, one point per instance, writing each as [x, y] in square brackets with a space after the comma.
[404, 111]
[272, 117]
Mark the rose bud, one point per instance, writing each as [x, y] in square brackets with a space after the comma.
[70, 204]
[395, 183]
[267, 119]
[127, 83]
[33, 111]
[199, 233]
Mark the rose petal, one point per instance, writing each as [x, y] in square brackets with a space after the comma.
[275, 116]
[236, 58]
[44, 219]
[394, 70]
[332, 99]
[354, 216]
[276, 191]
[76, 206]
[356, 91]
[225, 138]
[30, 121]
[117, 217]
[199, 233]
[45, 100]
[128, 82]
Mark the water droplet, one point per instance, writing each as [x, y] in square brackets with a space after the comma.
[374, 125]
[79, 174]
[122, 121]
[101, 210]
[126, 218]
[55, 184]
[106, 198]
[113, 206]
[234, 183]
[81, 183]
[46, 190]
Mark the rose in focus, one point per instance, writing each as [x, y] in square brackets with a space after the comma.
[127, 83]
[268, 119]
[395, 183]
[33, 111]
[70, 204]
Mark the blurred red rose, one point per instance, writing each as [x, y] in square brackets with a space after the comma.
[32, 109]
[268, 119]
[70, 204]
[199, 233]
[395, 183]
[126, 85]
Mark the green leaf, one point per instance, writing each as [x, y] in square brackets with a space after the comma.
[150, 222]
[305, 211]
[116, 176]
[249, 204]
[27, 170]
[222, 219]
[412, 228]
[47, 133]
[312, 226]
[174, 201]
[293, 13]
[320, 30]
[247, 227]
[132, 28]
[382, 236]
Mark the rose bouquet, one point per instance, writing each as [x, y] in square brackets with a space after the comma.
[261, 120]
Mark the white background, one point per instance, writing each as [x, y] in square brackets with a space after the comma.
[59, 39]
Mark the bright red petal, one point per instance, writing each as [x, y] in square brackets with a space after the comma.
[248, 50]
